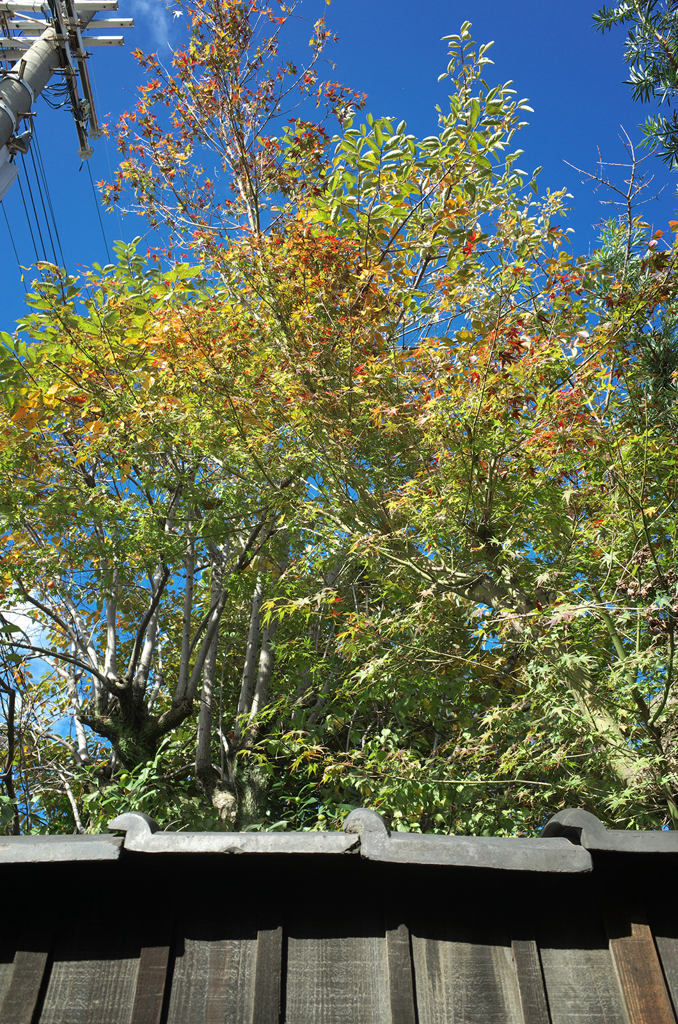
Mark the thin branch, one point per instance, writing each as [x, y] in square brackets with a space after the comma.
[76, 814]
[42, 651]
[139, 639]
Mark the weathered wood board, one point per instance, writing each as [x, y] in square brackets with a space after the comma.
[579, 973]
[337, 975]
[461, 979]
[214, 966]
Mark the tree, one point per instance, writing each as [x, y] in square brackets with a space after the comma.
[117, 501]
[537, 545]
[652, 55]
[226, 92]
[376, 473]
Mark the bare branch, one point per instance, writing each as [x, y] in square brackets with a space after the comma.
[71, 799]
[139, 639]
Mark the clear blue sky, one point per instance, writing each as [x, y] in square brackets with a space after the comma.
[572, 76]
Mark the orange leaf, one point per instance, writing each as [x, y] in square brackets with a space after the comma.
[26, 416]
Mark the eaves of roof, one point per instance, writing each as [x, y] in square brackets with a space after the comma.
[564, 846]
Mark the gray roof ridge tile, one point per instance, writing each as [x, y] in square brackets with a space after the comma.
[565, 843]
[49, 849]
[584, 828]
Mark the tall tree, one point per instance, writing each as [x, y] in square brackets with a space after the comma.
[122, 489]
[350, 512]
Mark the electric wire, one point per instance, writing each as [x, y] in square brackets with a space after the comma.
[52, 93]
[96, 203]
[41, 197]
[54, 106]
[28, 220]
[16, 254]
[35, 212]
[108, 155]
[45, 181]
[56, 95]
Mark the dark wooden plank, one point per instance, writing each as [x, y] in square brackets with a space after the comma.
[23, 992]
[213, 961]
[667, 947]
[465, 975]
[213, 981]
[94, 967]
[155, 938]
[461, 944]
[267, 985]
[337, 970]
[637, 964]
[580, 983]
[579, 975]
[660, 902]
[151, 981]
[6, 970]
[83, 991]
[530, 981]
[400, 973]
[7, 951]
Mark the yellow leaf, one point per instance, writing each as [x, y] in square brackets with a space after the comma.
[26, 416]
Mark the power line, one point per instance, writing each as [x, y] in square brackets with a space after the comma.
[108, 155]
[28, 220]
[96, 203]
[11, 238]
[41, 197]
[58, 91]
[35, 214]
[49, 198]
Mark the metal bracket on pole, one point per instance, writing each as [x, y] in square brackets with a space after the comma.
[10, 114]
[80, 56]
[8, 172]
[67, 20]
[18, 77]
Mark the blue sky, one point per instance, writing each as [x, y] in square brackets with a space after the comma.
[571, 75]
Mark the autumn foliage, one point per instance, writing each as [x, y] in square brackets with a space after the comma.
[366, 502]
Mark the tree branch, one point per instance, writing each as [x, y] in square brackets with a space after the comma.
[138, 640]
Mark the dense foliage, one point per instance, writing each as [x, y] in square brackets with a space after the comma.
[369, 501]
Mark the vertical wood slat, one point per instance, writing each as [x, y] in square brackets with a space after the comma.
[267, 985]
[151, 982]
[667, 947]
[400, 973]
[21, 997]
[638, 968]
[530, 982]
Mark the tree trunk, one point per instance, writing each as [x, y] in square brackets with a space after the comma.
[262, 690]
[251, 787]
[250, 666]
[217, 790]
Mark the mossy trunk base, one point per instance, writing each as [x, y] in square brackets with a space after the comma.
[251, 787]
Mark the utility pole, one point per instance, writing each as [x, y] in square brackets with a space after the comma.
[53, 43]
